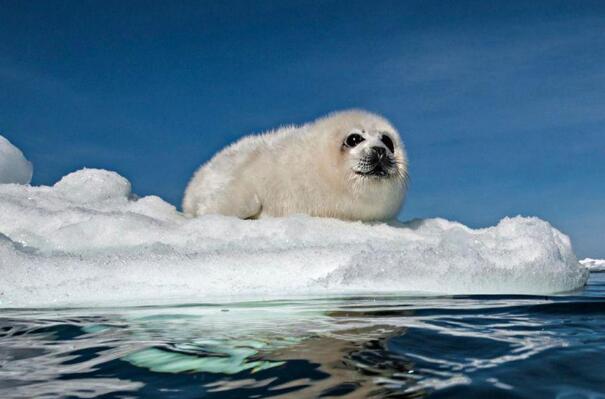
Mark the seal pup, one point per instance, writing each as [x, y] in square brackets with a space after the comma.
[348, 165]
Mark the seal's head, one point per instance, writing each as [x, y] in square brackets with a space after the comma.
[369, 147]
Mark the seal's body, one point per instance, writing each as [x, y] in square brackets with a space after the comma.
[349, 165]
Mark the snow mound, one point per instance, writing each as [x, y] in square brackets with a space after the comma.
[88, 241]
[594, 265]
[14, 168]
[92, 185]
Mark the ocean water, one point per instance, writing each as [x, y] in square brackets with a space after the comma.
[487, 346]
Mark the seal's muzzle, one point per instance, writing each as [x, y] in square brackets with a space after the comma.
[376, 163]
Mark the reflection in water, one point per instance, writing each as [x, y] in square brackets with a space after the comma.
[340, 347]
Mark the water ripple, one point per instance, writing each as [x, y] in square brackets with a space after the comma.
[369, 346]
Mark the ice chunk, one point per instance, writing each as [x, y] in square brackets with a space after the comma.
[14, 168]
[93, 185]
[594, 265]
[87, 240]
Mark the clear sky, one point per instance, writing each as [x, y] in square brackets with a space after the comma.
[501, 104]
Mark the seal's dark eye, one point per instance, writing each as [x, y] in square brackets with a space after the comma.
[353, 140]
[388, 142]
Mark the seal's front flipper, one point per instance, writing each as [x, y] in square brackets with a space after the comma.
[249, 207]
[257, 215]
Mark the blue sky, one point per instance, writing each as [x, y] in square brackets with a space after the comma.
[501, 104]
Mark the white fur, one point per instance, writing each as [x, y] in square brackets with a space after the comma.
[302, 169]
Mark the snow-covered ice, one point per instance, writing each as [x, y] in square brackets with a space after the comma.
[14, 168]
[88, 240]
[594, 265]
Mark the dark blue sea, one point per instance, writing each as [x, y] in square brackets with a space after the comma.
[352, 347]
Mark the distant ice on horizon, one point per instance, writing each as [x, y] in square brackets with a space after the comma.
[594, 265]
[14, 168]
[88, 240]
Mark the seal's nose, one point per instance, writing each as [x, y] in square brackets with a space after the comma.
[379, 151]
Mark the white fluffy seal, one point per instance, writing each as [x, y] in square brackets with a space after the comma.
[349, 165]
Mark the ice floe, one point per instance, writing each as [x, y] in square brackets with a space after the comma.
[88, 240]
